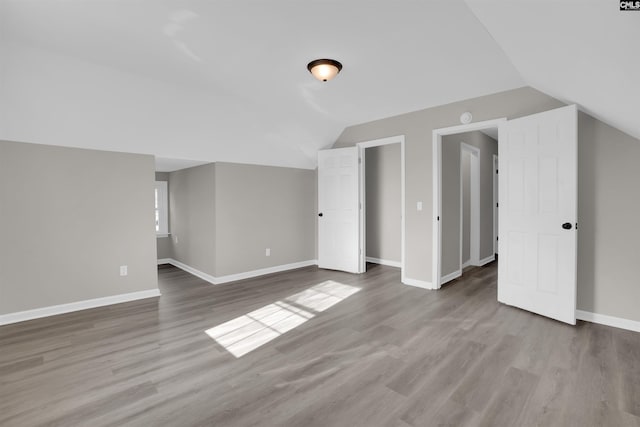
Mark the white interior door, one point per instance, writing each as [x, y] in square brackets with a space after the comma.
[538, 213]
[339, 210]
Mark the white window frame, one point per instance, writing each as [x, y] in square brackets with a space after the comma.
[162, 226]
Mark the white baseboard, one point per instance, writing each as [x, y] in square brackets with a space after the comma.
[486, 260]
[164, 261]
[384, 262]
[603, 319]
[53, 310]
[449, 277]
[465, 264]
[263, 271]
[239, 276]
[202, 275]
[417, 283]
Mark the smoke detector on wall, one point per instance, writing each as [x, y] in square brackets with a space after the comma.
[465, 118]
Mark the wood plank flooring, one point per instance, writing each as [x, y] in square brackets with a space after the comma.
[388, 355]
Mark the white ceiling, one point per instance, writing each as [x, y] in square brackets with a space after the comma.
[169, 165]
[579, 51]
[227, 80]
[245, 62]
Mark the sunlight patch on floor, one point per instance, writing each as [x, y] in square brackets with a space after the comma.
[252, 330]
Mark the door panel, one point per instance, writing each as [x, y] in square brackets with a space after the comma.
[537, 268]
[338, 202]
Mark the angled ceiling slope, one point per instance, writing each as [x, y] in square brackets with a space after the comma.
[581, 52]
[227, 81]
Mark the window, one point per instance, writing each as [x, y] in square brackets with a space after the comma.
[161, 209]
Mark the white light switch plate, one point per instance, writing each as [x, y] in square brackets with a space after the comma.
[123, 270]
[419, 206]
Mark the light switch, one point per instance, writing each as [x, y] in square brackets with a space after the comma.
[419, 206]
[123, 270]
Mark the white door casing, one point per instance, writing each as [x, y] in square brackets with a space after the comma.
[339, 210]
[538, 213]
[496, 210]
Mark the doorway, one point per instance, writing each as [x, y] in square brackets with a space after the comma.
[538, 210]
[439, 136]
[467, 202]
[382, 205]
[372, 252]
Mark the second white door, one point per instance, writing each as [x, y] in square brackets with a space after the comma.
[538, 213]
[339, 210]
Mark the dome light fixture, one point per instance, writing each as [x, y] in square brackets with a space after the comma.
[324, 69]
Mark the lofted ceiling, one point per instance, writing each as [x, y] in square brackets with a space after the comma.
[579, 51]
[195, 81]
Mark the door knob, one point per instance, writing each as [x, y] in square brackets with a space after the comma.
[320, 214]
[567, 226]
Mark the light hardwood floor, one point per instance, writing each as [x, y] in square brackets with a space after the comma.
[388, 355]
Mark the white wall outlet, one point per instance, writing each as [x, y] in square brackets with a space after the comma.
[123, 270]
[419, 206]
[175, 239]
[267, 252]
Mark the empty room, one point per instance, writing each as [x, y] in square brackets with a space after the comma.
[319, 213]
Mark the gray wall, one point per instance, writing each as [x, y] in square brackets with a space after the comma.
[450, 250]
[165, 249]
[608, 233]
[224, 216]
[417, 128]
[69, 218]
[383, 202]
[607, 178]
[451, 198]
[192, 217]
[259, 207]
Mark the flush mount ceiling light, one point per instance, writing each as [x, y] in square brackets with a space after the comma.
[324, 69]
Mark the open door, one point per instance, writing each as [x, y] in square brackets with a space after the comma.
[339, 210]
[538, 213]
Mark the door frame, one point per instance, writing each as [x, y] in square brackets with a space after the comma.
[496, 192]
[437, 135]
[474, 201]
[362, 146]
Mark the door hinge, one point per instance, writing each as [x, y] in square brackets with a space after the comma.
[438, 218]
[496, 171]
[359, 160]
[576, 225]
[497, 205]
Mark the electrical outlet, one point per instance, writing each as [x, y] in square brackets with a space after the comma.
[123, 270]
[175, 239]
[267, 252]
[419, 206]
